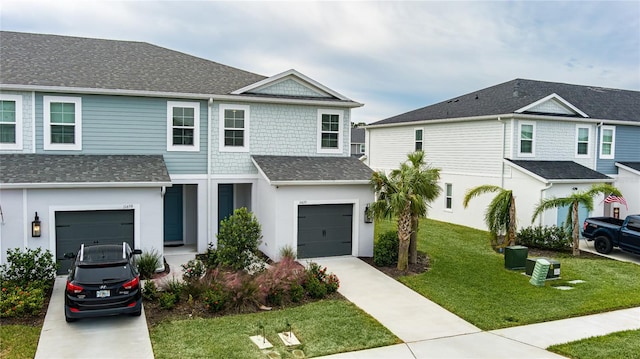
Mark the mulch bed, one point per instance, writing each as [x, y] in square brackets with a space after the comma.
[421, 266]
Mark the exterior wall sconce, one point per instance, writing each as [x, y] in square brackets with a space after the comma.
[35, 227]
[368, 216]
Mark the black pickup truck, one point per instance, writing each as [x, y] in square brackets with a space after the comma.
[607, 232]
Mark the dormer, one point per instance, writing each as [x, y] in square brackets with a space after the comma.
[553, 105]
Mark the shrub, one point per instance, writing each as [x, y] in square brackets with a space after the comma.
[275, 281]
[148, 262]
[314, 287]
[385, 249]
[332, 283]
[168, 300]
[193, 270]
[173, 286]
[546, 237]
[242, 290]
[150, 290]
[29, 267]
[296, 292]
[210, 257]
[318, 283]
[238, 237]
[215, 299]
[16, 301]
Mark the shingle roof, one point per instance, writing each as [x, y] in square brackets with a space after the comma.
[357, 135]
[318, 169]
[505, 98]
[560, 170]
[633, 165]
[36, 59]
[39, 168]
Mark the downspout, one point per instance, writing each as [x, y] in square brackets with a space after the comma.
[541, 198]
[209, 199]
[596, 153]
[504, 129]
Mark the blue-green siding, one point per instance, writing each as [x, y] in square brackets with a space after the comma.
[130, 125]
[627, 149]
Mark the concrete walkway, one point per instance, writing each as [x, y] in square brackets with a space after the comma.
[616, 253]
[429, 331]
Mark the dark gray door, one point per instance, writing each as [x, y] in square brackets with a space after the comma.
[90, 227]
[173, 226]
[324, 230]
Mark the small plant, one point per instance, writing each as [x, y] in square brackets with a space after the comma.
[242, 289]
[296, 292]
[215, 299]
[385, 249]
[274, 296]
[315, 288]
[16, 301]
[210, 257]
[193, 270]
[28, 267]
[168, 300]
[148, 262]
[332, 283]
[287, 252]
[173, 286]
[150, 290]
[238, 237]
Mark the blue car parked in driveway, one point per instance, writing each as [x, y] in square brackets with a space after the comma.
[103, 280]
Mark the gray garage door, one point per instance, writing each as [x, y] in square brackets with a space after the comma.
[90, 227]
[324, 230]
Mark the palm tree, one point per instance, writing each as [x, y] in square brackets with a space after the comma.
[404, 194]
[500, 215]
[575, 200]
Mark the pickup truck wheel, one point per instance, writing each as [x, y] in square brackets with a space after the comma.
[603, 245]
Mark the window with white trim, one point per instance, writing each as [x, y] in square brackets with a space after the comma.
[62, 123]
[362, 148]
[526, 139]
[418, 139]
[183, 126]
[330, 131]
[583, 141]
[10, 122]
[234, 128]
[448, 198]
[607, 142]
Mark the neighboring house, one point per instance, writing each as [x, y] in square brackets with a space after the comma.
[540, 139]
[111, 141]
[357, 142]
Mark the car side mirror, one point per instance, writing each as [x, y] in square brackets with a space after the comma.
[137, 251]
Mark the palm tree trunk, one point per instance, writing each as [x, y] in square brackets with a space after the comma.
[576, 230]
[512, 221]
[413, 244]
[404, 237]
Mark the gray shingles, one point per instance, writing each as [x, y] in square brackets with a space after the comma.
[37, 59]
[560, 170]
[290, 168]
[634, 165]
[505, 98]
[40, 168]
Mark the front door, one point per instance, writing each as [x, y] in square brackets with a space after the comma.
[225, 201]
[173, 221]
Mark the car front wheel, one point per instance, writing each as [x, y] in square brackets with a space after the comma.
[603, 245]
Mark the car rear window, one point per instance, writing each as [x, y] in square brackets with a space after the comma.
[103, 254]
[103, 274]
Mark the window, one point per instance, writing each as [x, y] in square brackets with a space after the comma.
[234, 128]
[448, 196]
[62, 123]
[183, 126]
[418, 139]
[527, 143]
[607, 142]
[362, 148]
[583, 134]
[330, 131]
[10, 122]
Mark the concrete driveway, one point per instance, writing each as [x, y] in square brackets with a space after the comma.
[108, 337]
[616, 253]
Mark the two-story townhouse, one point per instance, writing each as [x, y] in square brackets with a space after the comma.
[111, 141]
[540, 139]
[357, 142]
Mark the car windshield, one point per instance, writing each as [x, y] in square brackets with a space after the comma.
[103, 274]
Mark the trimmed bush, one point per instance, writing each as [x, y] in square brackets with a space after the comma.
[147, 263]
[238, 239]
[16, 301]
[546, 237]
[385, 249]
[29, 267]
[296, 292]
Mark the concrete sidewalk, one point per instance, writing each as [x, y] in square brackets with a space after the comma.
[429, 331]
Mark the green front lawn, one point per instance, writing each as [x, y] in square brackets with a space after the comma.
[617, 345]
[323, 327]
[469, 279]
[18, 341]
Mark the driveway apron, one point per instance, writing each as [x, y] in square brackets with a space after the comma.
[108, 337]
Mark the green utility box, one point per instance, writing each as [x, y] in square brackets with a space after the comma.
[515, 257]
[554, 267]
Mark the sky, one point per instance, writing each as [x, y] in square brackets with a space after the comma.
[393, 56]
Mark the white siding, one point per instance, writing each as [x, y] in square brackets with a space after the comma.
[629, 184]
[388, 147]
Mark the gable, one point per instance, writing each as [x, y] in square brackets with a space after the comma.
[290, 87]
[552, 104]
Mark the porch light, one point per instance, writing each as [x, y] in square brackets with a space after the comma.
[35, 226]
[368, 217]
